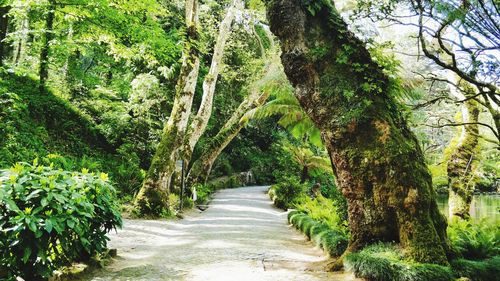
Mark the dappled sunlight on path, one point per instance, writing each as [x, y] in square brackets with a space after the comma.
[241, 236]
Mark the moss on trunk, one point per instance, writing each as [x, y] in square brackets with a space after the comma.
[152, 198]
[461, 163]
[378, 162]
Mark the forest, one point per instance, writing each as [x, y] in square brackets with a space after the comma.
[365, 130]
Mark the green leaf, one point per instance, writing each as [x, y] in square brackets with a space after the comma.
[32, 226]
[71, 223]
[27, 254]
[49, 225]
[33, 194]
[12, 205]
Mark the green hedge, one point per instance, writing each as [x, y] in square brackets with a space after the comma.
[50, 218]
[333, 242]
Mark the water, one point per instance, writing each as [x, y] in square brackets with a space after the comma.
[482, 207]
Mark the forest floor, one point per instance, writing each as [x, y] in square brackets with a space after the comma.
[241, 236]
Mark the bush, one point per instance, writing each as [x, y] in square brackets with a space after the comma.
[53, 217]
[323, 210]
[383, 262]
[288, 192]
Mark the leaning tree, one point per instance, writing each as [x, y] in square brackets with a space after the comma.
[377, 159]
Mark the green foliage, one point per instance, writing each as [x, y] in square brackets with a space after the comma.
[483, 270]
[204, 191]
[52, 217]
[381, 262]
[475, 240]
[323, 210]
[287, 192]
[332, 241]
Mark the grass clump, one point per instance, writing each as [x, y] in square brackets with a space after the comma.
[484, 270]
[383, 262]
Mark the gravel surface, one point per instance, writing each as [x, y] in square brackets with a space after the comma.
[241, 236]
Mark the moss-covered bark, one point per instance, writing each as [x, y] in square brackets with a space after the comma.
[378, 162]
[461, 163]
[152, 198]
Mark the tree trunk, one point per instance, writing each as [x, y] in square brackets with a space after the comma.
[377, 160]
[22, 41]
[152, 198]
[4, 23]
[203, 166]
[48, 35]
[305, 174]
[460, 164]
[200, 121]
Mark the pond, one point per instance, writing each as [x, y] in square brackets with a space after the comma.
[483, 206]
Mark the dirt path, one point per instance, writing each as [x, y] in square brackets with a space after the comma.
[241, 236]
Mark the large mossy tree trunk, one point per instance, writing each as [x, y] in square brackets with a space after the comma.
[48, 35]
[152, 198]
[377, 159]
[462, 159]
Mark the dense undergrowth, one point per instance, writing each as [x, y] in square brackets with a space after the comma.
[44, 125]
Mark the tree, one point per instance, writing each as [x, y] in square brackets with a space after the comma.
[48, 35]
[153, 195]
[377, 159]
[4, 23]
[200, 121]
[202, 167]
[460, 166]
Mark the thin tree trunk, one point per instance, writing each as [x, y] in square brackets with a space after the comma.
[462, 160]
[200, 121]
[48, 35]
[305, 174]
[22, 41]
[377, 160]
[152, 198]
[4, 23]
[202, 167]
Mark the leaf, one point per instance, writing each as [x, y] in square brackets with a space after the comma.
[32, 226]
[49, 225]
[71, 223]
[12, 205]
[33, 194]
[27, 254]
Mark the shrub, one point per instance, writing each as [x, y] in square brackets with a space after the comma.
[475, 240]
[52, 217]
[288, 192]
[323, 210]
[333, 242]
